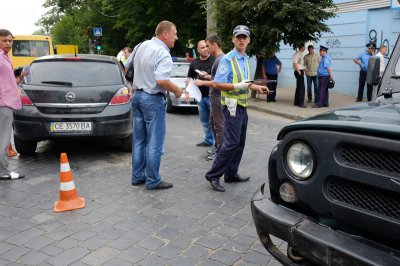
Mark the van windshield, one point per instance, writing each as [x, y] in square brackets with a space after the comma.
[30, 48]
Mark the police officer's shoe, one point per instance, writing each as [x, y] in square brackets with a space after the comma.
[217, 186]
[237, 179]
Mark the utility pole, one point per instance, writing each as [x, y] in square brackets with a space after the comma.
[211, 21]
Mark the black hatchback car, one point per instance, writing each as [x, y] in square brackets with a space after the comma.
[333, 191]
[73, 97]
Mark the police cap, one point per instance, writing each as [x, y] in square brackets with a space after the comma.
[323, 48]
[370, 45]
[241, 30]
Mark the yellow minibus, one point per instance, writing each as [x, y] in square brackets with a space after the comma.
[27, 48]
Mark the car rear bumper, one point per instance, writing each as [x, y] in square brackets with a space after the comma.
[315, 242]
[115, 122]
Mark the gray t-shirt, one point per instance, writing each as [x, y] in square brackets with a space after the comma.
[214, 92]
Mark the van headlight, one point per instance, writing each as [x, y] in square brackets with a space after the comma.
[300, 160]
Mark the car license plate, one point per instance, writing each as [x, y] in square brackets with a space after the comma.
[70, 126]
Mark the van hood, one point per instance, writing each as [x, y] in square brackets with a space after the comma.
[381, 117]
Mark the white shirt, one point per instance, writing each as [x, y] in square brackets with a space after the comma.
[382, 63]
[298, 59]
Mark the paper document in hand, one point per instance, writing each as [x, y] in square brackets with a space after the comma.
[193, 90]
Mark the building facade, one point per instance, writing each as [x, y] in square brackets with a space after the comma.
[356, 23]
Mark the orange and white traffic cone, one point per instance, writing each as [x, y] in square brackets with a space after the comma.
[11, 152]
[69, 199]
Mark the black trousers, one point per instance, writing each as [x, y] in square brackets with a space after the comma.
[361, 85]
[300, 88]
[272, 86]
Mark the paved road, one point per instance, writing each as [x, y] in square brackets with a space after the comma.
[189, 224]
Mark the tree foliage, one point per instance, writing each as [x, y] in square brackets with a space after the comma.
[124, 23]
[273, 21]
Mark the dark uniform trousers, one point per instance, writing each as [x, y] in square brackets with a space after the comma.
[230, 154]
[272, 86]
[323, 97]
[300, 89]
[361, 84]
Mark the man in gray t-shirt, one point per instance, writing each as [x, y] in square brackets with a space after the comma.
[213, 43]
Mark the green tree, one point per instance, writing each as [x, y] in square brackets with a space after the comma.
[125, 23]
[274, 21]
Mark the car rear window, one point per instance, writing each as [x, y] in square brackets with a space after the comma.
[77, 72]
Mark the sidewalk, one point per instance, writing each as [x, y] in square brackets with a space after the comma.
[284, 104]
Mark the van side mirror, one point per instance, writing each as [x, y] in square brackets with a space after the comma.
[373, 70]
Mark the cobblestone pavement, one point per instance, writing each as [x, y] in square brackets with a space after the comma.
[189, 224]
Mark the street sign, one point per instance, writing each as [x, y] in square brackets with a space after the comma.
[97, 31]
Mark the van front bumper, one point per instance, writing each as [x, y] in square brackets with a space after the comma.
[315, 242]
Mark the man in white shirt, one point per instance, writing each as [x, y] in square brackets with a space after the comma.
[298, 66]
[382, 52]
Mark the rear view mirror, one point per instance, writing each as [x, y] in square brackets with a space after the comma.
[373, 70]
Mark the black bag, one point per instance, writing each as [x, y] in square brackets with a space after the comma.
[331, 83]
[131, 71]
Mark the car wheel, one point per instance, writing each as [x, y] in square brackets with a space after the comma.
[126, 143]
[25, 147]
[170, 107]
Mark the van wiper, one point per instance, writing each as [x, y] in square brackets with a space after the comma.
[66, 83]
[395, 77]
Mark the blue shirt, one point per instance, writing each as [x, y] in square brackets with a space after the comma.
[363, 58]
[152, 62]
[270, 65]
[225, 73]
[323, 65]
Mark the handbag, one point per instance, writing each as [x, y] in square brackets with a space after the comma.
[129, 75]
[331, 83]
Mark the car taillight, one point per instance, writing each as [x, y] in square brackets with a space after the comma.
[24, 97]
[122, 96]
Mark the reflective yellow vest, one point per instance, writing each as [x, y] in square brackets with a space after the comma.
[240, 95]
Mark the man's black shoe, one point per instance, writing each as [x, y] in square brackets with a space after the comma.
[302, 106]
[216, 186]
[358, 100]
[163, 185]
[141, 182]
[237, 179]
[203, 144]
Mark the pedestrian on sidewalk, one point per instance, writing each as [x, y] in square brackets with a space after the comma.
[324, 72]
[198, 69]
[270, 69]
[382, 52]
[311, 62]
[298, 66]
[213, 43]
[9, 101]
[231, 76]
[362, 60]
[153, 65]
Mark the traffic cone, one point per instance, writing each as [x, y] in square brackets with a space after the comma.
[11, 152]
[69, 199]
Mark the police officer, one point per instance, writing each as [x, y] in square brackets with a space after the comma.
[231, 76]
[362, 61]
[324, 72]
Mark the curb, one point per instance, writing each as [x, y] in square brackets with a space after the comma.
[285, 115]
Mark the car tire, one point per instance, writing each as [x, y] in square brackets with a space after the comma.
[25, 147]
[126, 143]
[170, 107]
